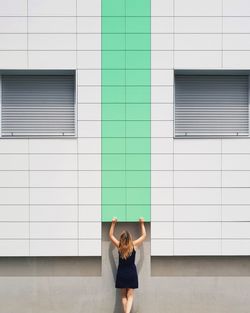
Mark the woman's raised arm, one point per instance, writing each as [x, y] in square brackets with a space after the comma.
[138, 241]
[111, 233]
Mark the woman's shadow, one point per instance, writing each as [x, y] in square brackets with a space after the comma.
[112, 250]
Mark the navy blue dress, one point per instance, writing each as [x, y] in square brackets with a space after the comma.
[126, 276]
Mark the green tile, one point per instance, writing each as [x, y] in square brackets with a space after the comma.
[113, 7]
[113, 112]
[113, 94]
[112, 25]
[110, 211]
[138, 77]
[138, 178]
[113, 41]
[113, 162]
[138, 162]
[138, 145]
[138, 129]
[113, 145]
[138, 94]
[138, 25]
[138, 196]
[138, 42]
[141, 111]
[113, 77]
[113, 60]
[135, 212]
[113, 195]
[113, 129]
[113, 179]
[138, 7]
[138, 60]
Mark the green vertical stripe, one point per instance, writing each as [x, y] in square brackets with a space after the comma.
[126, 114]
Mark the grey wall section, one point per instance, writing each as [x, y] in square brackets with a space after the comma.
[166, 284]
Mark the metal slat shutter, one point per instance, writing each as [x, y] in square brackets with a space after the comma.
[38, 105]
[211, 105]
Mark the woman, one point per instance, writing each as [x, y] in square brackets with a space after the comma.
[126, 277]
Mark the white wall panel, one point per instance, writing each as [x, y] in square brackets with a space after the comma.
[235, 213]
[13, 59]
[161, 247]
[236, 146]
[89, 77]
[162, 77]
[89, 112]
[235, 162]
[197, 7]
[53, 195]
[52, 42]
[236, 59]
[197, 162]
[162, 213]
[161, 112]
[161, 196]
[53, 162]
[90, 230]
[236, 41]
[162, 41]
[89, 25]
[161, 179]
[197, 247]
[235, 230]
[89, 247]
[235, 24]
[89, 94]
[13, 7]
[197, 178]
[162, 25]
[53, 213]
[89, 145]
[197, 146]
[53, 179]
[196, 24]
[89, 41]
[52, 59]
[86, 8]
[162, 8]
[52, 8]
[235, 247]
[162, 94]
[197, 42]
[161, 230]
[89, 213]
[13, 24]
[89, 60]
[236, 196]
[52, 247]
[53, 145]
[89, 178]
[161, 145]
[90, 196]
[14, 213]
[199, 213]
[50, 230]
[197, 195]
[161, 162]
[89, 129]
[236, 179]
[197, 59]
[53, 24]
[89, 162]
[16, 196]
[15, 230]
[13, 247]
[236, 8]
[14, 179]
[197, 230]
[161, 59]
[13, 41]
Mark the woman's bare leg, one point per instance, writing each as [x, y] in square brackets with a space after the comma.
[124, 298]
[130, 297]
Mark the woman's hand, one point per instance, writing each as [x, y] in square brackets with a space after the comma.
[141, 219]
[114, 220]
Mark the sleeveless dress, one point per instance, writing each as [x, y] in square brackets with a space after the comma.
[126, 276]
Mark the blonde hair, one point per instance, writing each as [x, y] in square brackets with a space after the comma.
[125, 244]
